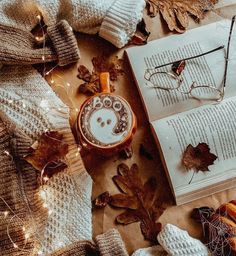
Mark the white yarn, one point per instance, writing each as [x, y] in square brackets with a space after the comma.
[114, 20]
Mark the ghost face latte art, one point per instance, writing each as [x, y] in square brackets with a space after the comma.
[106, 122]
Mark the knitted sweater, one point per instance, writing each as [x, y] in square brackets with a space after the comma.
[114, 20]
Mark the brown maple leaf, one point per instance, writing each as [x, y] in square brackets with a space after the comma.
[176, 12]
[141, 201]
[100, 63]
[47, 153]
[198, 158]
[102, 200]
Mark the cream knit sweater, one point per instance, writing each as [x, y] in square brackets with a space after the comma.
[114, 20]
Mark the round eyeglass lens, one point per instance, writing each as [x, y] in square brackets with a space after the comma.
[165, 80]
[206, 93]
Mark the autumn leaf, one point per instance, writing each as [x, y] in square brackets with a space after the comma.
[47, 153]
[140, 201]
[176, 12]
[141, 34]
[102, 200]
[100, 63]
[198, 158]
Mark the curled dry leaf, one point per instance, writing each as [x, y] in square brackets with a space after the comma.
[198, 158]
[141, 35]
[140, 201]
[102, 200]
[176, 12]
[100, 64]
[47, 153]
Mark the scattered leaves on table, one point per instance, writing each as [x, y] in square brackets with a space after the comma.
[102, 200]
[219, 227]
[47, 153]
[100, 63]
[140, 201]
[144, 152]
[198, 158]
[176, 12]
[141, 35]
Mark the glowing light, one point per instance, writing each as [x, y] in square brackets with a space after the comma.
[23, 228]
[23, 105]
[39, 17]
[43, 58]
[15, 245]
[77, 110]
[45, 178]
[52, 81]
[68, 84]
[5, 214]
[27, 236]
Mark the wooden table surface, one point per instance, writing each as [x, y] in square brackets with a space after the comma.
[102, 169]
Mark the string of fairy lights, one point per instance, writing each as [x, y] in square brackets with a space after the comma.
[9, 215]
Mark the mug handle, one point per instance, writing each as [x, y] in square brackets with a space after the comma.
[105, 82]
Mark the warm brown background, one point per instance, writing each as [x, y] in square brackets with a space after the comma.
[102, 169]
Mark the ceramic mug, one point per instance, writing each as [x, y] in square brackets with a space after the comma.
[106, 122]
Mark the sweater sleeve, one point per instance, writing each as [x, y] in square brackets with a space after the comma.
[114, 20]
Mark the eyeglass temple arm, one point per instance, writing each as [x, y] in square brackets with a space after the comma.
[227, 51]
[193, 57]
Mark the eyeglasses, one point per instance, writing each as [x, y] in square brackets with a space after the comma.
[172, 80]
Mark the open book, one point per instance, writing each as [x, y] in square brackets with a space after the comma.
[178, 120]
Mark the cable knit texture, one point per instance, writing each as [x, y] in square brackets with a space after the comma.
[23, 97]
[115, 20]
[177, 242]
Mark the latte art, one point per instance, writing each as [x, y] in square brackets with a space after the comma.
[106, 120]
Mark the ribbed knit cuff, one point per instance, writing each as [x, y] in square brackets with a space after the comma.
[64, 43]
[121, 20]
[111, 244]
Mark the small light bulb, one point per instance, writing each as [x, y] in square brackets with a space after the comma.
[45, 178]
[43, 58]
[52, 81]
[15, 245]
[23, 229]
[5, 214]
[27, 236]
[68, 84]
[77, 154]
[77, 110]
[38, 17]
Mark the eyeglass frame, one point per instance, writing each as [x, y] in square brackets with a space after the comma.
[180, 80]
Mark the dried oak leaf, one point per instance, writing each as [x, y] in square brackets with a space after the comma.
[141, 201]
[176, 12]
[101, 63]
[47, 153]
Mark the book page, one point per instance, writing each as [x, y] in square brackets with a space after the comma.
[211, 124]
[205, 70]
